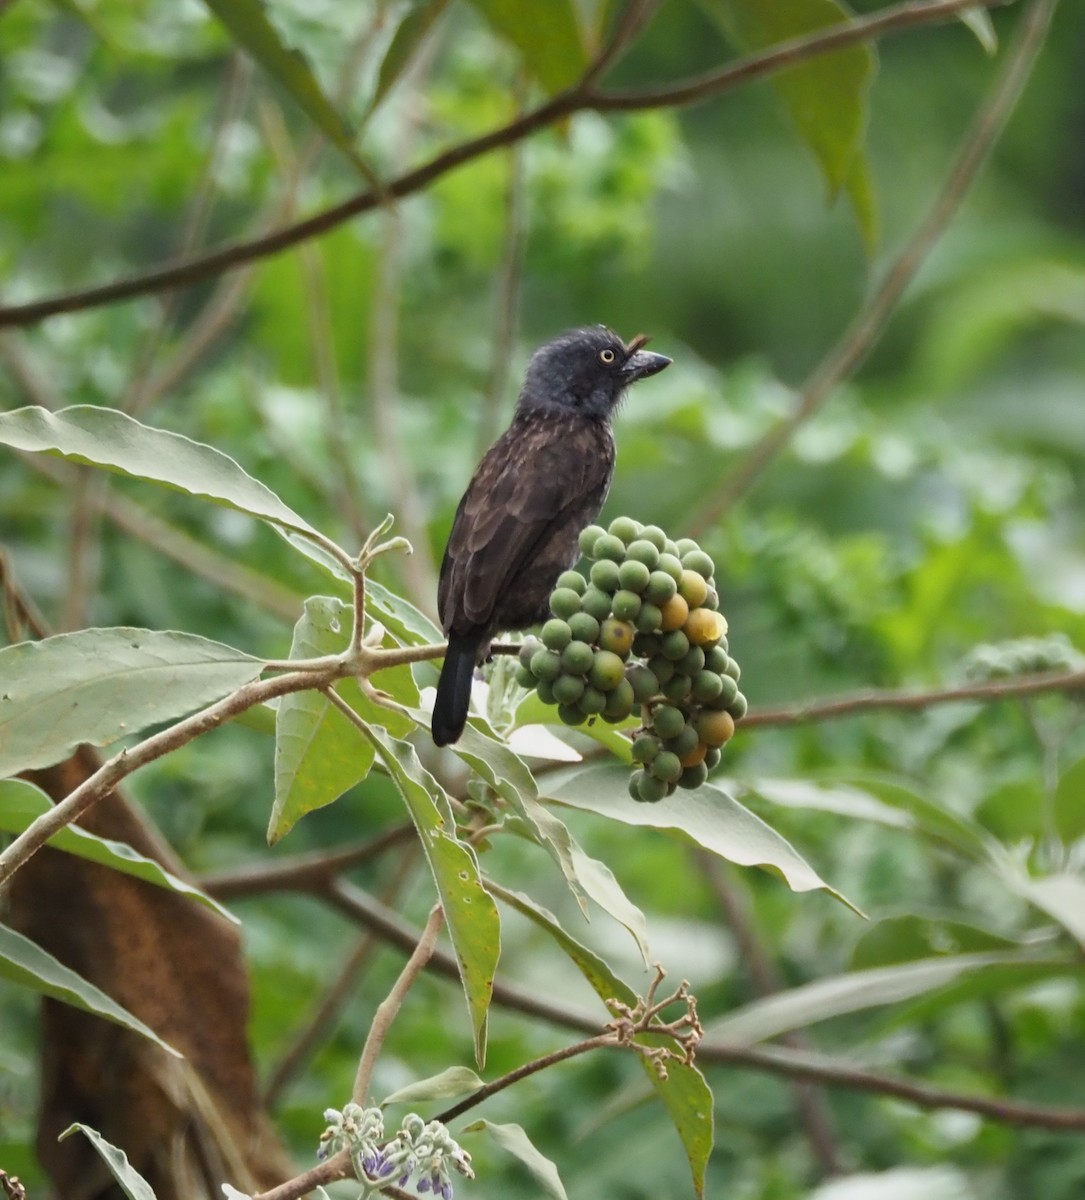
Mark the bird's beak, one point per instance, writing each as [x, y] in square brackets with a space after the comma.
[642, 364]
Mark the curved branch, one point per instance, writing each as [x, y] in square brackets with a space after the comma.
[908, 15]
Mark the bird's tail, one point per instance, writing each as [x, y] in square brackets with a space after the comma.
[454, 688]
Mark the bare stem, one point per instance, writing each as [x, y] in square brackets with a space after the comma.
[390, 1006]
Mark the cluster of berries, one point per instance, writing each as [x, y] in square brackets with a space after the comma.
[642, 630]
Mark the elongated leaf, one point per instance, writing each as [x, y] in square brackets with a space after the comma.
[319, 753]
[1070, 802]
[248, 24]
[1060, 896]
[707, 814]
[420, 19]
[826, 97]
[411, 626]
[98, 685]
[448, 1085]
[473, 922]
[513, 1140]
[107, 438]
[21, 803]
[861, 990]
[132, 1182]
[545, 32]
[684, 1092]
[24, 963]
[899, 1183]
[909, 938]
[587, 877]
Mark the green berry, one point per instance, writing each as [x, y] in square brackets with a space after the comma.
[545, 664]
[738, 707]
[607, 670]
[692, 662]
[643, 681]
[619, 701]
[668, 721]
[617, 636]
[577, 658]
[564, 602]
[544, 689]
[588, 538]
[527, 649]
[568, 689]
[645, 748]
[712, 599]
[684, 742]
[584, 627]
[674, 645]
[685, 545]
[650, 789]
[666, 766]
[649, 618]
[672, 566]
[572, 580]
[707, 685]
[626, 605]
[604, 574]
[712, 757]
[697, 560]
[662, 668]
[677, 688]
[693, 777]
[625, 528]
[726, 695]
[569, 714]
[642, 551]
[524, 677]
[556, 634]
[733, 669]
[633, 576]
[715, 659]
[661, 588]
[634, 786]
[609, 547]
[596, 603]
[693, 588]
[655, 535]
[592, 701]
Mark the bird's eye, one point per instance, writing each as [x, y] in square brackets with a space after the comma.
[607, 356]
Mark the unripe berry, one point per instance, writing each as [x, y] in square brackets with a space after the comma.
[564, 602]
[588, 538]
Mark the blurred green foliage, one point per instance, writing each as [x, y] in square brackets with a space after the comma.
[935, 505]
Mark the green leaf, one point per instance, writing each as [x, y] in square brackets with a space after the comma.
[547, 35]
[857, 991]
[410, 34]
[399, 616]
[532, 711]
[910, 937]
[1060, 896]
[21, 803]
[319, 752]
[28, 965]
[513, 1140]
[249, 26]
[586, 877]
[707, 814]
[132, 1182]
[448, 1085]
[104, 437]
[470, 912]
[685, 1094]
[98, 685]
[826, 97]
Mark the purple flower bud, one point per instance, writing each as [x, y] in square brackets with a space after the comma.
[423, 1184]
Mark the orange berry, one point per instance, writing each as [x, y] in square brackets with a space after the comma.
[675, 613]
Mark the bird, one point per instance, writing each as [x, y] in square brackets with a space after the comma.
[543, 481]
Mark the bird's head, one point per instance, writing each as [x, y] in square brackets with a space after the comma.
[587, 370]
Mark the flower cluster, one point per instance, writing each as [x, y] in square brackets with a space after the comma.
[424, 1151]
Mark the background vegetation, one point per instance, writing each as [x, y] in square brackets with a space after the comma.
[873, 422]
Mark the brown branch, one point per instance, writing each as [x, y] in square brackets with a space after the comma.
[908, 15]
[870, 322]
[874, 699]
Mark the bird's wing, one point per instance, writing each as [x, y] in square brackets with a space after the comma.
[536, 476]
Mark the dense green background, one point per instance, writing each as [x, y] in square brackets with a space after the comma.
[934, 505]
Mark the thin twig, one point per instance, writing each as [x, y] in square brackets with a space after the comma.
[391, 1004]
[870, 322]
[909, 15]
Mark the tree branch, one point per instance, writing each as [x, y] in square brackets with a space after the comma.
[908, 15]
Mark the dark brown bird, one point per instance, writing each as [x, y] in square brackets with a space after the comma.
[537, 487]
